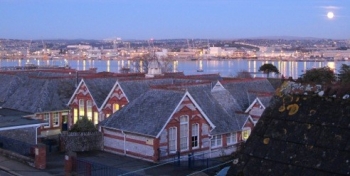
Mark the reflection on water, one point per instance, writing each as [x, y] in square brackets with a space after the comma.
[224, 67]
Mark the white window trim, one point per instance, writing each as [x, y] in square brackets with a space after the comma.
[56, 115]
[81, 108]
[175, 139]
[215, 141]
[230, 135]
[89, 107]
[48, 121]
[187, 135]
[197, 125]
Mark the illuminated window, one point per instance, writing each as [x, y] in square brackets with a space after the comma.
[184, 132]
[47, 119]
[231, 138]
[216, 141]
[172, 139]
[195, 132]
[81, 108]
[89, 109]
[95, 118]
[115, 107]
[107, 115]
[245, 134]
[75, 115]
[56, 119]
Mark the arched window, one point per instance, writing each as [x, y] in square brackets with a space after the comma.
[172, 139]
[89, 109]
[184, 132]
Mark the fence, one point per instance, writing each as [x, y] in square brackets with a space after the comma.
[84, 167]
[16, 146]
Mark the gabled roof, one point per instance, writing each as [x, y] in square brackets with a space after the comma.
[244, 91]
[99, 88]
[147, 114]
[218, 106]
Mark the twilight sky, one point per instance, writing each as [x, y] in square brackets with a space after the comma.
[170, 19]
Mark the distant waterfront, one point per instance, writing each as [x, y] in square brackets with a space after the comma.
[224, 67]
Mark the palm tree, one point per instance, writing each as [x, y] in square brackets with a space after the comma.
[268, 68]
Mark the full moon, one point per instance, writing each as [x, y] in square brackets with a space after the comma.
[330, 15]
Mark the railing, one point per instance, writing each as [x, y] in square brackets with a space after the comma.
[84, 167]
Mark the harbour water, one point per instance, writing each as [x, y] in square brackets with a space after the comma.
[224, 67]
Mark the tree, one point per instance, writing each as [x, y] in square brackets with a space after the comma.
[321, 75]
[344, 74]
[268, 68]
[83, 125]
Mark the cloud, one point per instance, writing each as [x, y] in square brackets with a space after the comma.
[330, 7]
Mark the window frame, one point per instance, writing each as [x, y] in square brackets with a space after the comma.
[231, 138]
[56, 118]
[89, 109]
[81, 108]
[184, 130]
[47, 119]
[174, 139]
[244, 131]
[214, 141]
[196, 140]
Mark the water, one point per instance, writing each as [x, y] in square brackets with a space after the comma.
[224, 67]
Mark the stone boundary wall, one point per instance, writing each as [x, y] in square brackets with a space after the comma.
[12, 155]
[81, 141]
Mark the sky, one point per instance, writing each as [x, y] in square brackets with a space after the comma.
[173, 19]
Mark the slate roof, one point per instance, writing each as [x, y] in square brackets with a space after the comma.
[17, 121]
[244, 91]
[313, 141]
[219, 107]
[100, 88]
[134, 88]
[12, 112]
[40, 95]
[147, 114]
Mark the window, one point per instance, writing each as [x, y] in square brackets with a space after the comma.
[172, 139]
[107, 115]
[56, 119]
[231, 138]
[184, 132]
[115, 107]
[195, 132]
[216, 141]
[47, 119]
[95, 118]
[89, 109]
[81, 108]
[245, 134]
[75, 115]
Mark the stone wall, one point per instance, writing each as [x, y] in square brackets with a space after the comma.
[27, 135]
[87, 141]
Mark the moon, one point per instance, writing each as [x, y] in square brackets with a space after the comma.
[330, 15]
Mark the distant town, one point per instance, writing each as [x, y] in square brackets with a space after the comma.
[191, 49]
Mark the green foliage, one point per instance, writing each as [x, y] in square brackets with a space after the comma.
[321, 75]
[83, 125]
[268, 68]
[344, 74]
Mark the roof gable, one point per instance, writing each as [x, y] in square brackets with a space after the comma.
[147, 114]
